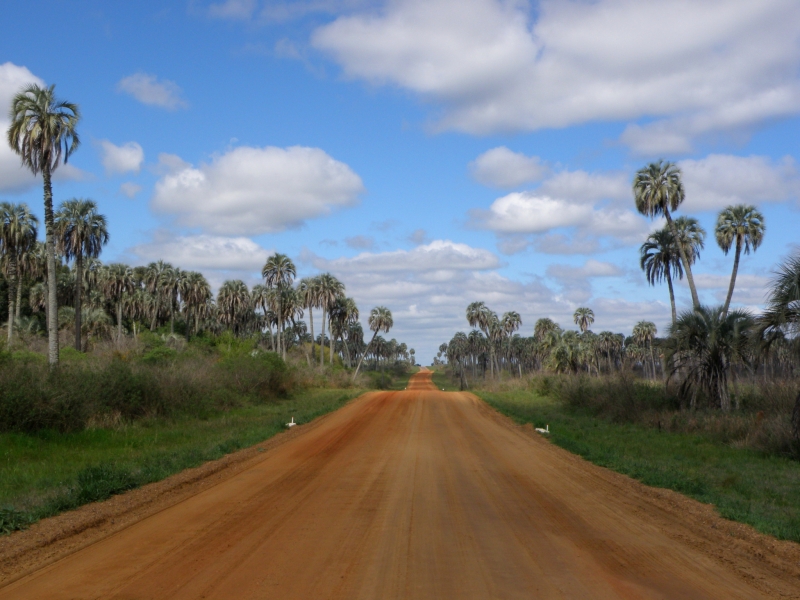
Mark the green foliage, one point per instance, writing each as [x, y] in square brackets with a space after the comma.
[159, 355]
[12, 519]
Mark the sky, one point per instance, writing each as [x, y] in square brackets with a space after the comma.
[428, 153]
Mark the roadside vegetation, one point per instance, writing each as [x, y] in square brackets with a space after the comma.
[711, 409]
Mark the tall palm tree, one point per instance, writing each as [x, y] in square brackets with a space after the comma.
[155, 275]
[584, 317]
[644, 332]
[309, 293]
[658, 189]
[196, 293]
[742, 225]
[329, 289]
[233, 300]
[344, 313]
[380, 319]
[17, 238]
[279, 273]
[43, 131]
[80, 232]
[116, 280]
[660, 260]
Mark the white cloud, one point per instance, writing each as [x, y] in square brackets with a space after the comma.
[719, 180]
[13, 177]
[437, 257]
[418, 237]
[121, 159]
[500, 167]
[130, 189]
[502, 65]
[249, 191]
[591, 268]
[749, 289]
[203, 252]
[148, 89]
[588, 187]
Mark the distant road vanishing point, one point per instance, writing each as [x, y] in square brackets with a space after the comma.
[419, 494]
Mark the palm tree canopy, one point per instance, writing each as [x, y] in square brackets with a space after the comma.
[18, 228]
[584, 317]
[380, 319]
[658, 256]
[279, 271]
[691, 236]
[658, 186]
[741, 224]
[43, 128]
[80, 229]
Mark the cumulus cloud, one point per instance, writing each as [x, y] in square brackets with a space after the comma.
[418, 237]
[250, 191]
[500, 167]
[750, 290]
[13, 177]
[591, 268]
[496, 65]
[203, 252]
[148, 89]
[720, 180]
[121, 159]
[130, 189]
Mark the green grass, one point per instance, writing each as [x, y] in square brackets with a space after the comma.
[442, 381]
[744, 485]
[45, 473]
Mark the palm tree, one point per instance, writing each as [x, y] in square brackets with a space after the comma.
[660, 259]
[644, 332]
[116, 280]
[584, 317]
[155, 275]
[744, 225]
[80, 232]
[380, 319]
[43, 131]
[17, 239]
[702, 346]
[279, 273]
[344, 313]
[309, 293]
[233, 300]
[658, 189]
[329, 289]
[782, 315]
[196, 293]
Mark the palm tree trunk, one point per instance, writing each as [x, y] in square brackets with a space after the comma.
[733, 275]
[50, 249]
[322, 340]
[330, 358]
[672, 298]
[18, 303]
[78, 291]
[12, 294]
[311, 323]
[686, 266]
[366, 350]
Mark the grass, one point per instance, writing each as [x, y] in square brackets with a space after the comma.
[744, 485]
[442, 380]
[44, 473]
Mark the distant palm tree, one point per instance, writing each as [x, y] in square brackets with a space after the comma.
[279, 272]
[116, 280]
[380, 319]
[658, 189]
[43, 131]
[309, 293]
[584, 317]
[702, 346]
[17, 238]
[743, 225]
[644, 332]
[329, 289]
[155, 276]
[234, 302]
[196, 293]
[80, 232]
[660, 259]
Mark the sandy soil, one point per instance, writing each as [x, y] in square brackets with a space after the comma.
[414, 494]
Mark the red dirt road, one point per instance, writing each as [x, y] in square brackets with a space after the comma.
[416, 494]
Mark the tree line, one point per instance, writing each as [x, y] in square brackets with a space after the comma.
[103, 301]
[702, 346]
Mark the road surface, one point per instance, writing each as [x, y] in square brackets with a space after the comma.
[419, 494]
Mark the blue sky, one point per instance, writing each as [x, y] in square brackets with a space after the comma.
[428, 153]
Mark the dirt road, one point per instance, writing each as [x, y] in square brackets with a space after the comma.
[414, 494]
